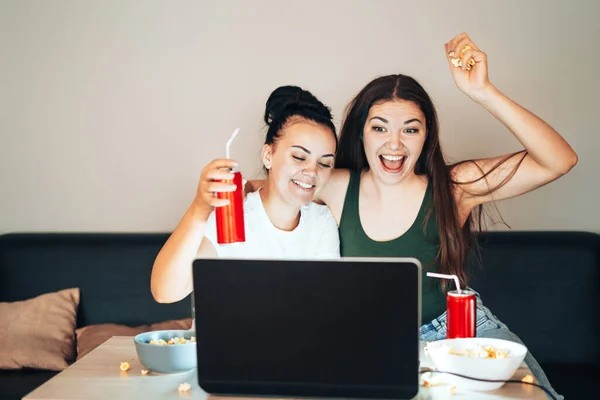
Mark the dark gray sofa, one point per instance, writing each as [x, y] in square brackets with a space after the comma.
[543, 285]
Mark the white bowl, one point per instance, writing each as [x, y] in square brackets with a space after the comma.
[481, 368]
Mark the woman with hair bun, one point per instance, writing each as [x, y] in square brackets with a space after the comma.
[281, 219]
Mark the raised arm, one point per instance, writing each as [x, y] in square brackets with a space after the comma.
[546, 157]
[171, 278]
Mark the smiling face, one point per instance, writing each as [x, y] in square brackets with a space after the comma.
[394, 135]
[300, 161]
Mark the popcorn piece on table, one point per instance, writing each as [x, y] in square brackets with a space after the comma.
[125, 366]
[144, 372]
[184, 387]
[428, 380]
[527, 378]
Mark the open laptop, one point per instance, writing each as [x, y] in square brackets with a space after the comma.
[300, 328]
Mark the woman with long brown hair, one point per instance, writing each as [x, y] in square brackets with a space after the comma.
[393, 194]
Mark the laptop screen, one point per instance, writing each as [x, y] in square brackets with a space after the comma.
[344, 328]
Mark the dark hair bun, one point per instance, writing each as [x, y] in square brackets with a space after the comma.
[286, 101]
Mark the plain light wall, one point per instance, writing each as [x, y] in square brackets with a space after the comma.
[110, 109]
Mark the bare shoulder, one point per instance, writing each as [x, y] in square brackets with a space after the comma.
[338, 180]
[334, 192]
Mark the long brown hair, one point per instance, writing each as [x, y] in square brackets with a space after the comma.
[455, 240]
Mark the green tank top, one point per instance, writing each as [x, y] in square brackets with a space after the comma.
[419, 241]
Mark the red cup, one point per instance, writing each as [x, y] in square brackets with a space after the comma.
[461, 310]
[230, 218]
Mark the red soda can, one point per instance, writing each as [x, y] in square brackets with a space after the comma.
[461, 309]
[230, 218]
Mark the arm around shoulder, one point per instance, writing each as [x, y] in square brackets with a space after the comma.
[333, 192]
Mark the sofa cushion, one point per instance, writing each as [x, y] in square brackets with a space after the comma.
[91, 336]
[39, 332]
[573, 381]
[546, 287]
[112, 271]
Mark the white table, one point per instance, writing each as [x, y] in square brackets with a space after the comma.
[97, 376]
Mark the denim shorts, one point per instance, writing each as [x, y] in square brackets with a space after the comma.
[485, 321]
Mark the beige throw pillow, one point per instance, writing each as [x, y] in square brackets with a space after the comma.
[39, 332]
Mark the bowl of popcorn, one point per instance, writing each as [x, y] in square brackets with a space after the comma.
[480, 358]
[167, 352]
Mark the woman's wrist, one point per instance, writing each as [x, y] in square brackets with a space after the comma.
[199, 213]
[487, 96]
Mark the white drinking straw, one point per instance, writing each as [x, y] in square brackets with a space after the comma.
[434, 275]
[228, 145]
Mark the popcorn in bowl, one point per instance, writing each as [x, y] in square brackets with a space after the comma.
[173, 340]
[167, 351]
[479, 358]
[479, 351]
